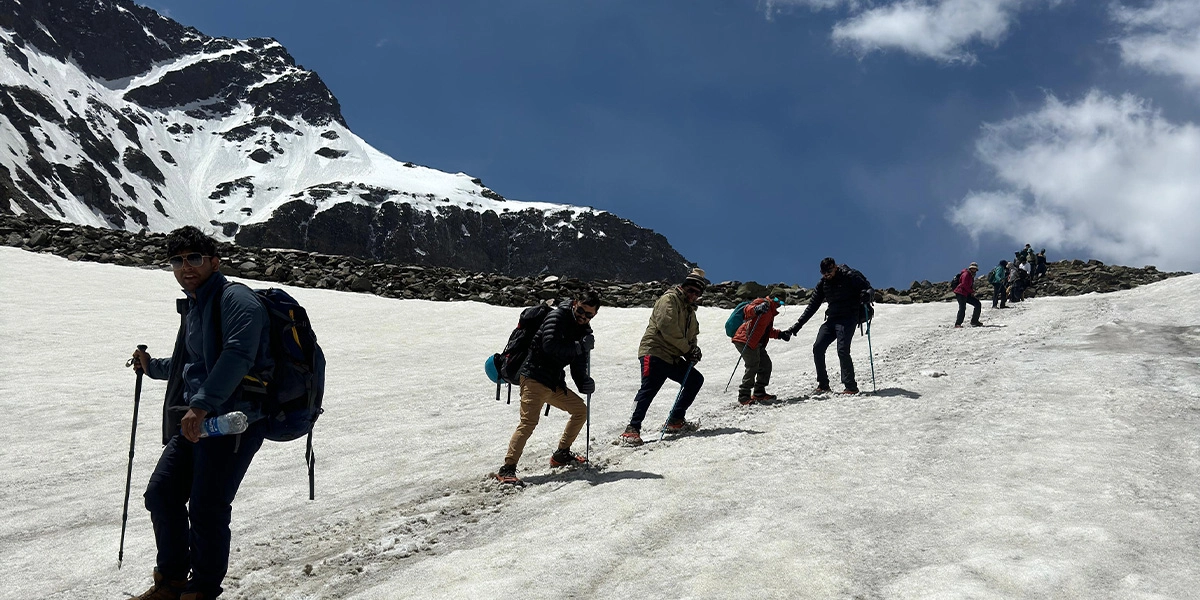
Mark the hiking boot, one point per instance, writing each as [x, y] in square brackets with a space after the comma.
[680, 426]
[763, 397]
[849, 391]
[746, 400]
[508, 474]
[564, 457]
[958, 326]
[822, 389]
[632, 436]
[976, 324]
[163, 588]
[193, 596]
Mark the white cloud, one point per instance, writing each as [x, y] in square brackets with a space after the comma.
[938, 30]
[1163, 37]
[1107, 176]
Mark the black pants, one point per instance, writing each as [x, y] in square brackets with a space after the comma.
[655, 372]
[190, 499]
[841, 330]
[999, 294]
[963, 301]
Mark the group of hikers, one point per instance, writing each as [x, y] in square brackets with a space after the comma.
[225, 340]
[1009, 283]
[669, 350]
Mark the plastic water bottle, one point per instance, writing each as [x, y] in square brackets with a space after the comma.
[227, 424]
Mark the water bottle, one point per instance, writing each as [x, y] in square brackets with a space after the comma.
[227, 424]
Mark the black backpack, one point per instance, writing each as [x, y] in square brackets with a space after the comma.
[957, 280]
[507, 364]
[291, 397]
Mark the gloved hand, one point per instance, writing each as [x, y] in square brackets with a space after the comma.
[868, 296]
[693, 355]
[587, 386]
[794, 329]
[762, 309]
[785, 335]
[589, 341]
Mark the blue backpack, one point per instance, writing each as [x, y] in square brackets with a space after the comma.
[736, 318]
[293, 391]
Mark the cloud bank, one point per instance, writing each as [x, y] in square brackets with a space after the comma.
[1107, 176]
[1162, 37]
[941, 30]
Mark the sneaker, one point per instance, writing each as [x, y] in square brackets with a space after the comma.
[508, 474]
[849, 391]
[163, 588]
[822, 389]
[680, 426]
[976, 324]
[763, 397]
[631, 437]
[564, 457]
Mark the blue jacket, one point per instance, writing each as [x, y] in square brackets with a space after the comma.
[204, 372]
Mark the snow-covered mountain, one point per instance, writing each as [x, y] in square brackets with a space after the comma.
[115, 116]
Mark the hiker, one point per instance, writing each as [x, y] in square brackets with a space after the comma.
[191, 491]
[563, 339]
[669, 351]
[1039, 268]
[752, 346]
[1020, 281]
[846, 291]
[999, 281]
[964, 292]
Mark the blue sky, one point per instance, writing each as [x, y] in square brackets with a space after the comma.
[903, 138]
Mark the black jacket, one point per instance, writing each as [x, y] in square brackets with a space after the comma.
[844, 292]
[557, 344]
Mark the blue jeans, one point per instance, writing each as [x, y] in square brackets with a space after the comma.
[655, 372]
[190, 499]
[841, 330]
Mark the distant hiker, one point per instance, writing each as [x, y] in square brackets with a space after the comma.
[999, 280]
[752, 346]
[191, 491]
[669, 351]
[563, 339]
[846, 291]
[1026, 254]
[1039, 267]
[1020, 281]
[965, 294]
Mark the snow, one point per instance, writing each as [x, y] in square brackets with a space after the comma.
[1056, 458]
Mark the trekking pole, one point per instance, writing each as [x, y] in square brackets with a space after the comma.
[870, 353]
[682, 384]
[137, 398]
[587, 435]
[741, 354]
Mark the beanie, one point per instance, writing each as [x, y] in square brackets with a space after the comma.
[696, 279]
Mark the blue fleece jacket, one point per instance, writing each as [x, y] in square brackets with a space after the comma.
[212, 369]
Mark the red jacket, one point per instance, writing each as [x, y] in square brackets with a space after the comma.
[762, 324]
[966, 283]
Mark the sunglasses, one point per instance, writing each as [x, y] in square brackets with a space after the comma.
[194, 259]
[691, 291]
[583, 314]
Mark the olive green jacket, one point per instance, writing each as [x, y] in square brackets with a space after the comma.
[672, 329]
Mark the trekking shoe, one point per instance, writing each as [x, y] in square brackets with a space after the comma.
[193, 596]
[631, 437]
[680, 426]
[958, 326]
[747, 400]
[163, 588]
[508, 474]
[564, 457]
[822, 389]
[976, 324]
[849, 391]
[763, 397]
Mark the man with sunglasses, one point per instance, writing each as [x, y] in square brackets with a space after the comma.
[669, 351]
[846, 291]
[190, 494]
[564, 340]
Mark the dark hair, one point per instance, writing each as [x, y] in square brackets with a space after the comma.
[591, 298]
[1003, 263]
[190, 238]
[828, 264]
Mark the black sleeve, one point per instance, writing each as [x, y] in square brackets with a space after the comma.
[813, 303]
[554, 336]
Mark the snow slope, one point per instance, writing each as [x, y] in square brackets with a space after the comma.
[1057, 458]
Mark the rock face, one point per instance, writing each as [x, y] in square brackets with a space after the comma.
[327, 271]
[118, 117]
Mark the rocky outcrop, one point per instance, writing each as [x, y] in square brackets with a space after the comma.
[327, 271]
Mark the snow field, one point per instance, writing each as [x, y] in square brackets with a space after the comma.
[1058, 457]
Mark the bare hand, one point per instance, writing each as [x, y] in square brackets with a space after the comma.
[190, 427]
[140, 361]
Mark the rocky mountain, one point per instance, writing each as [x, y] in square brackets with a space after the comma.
[112, 115]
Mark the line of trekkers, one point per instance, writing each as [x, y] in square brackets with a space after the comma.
[1010, 281]
[669, 350]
